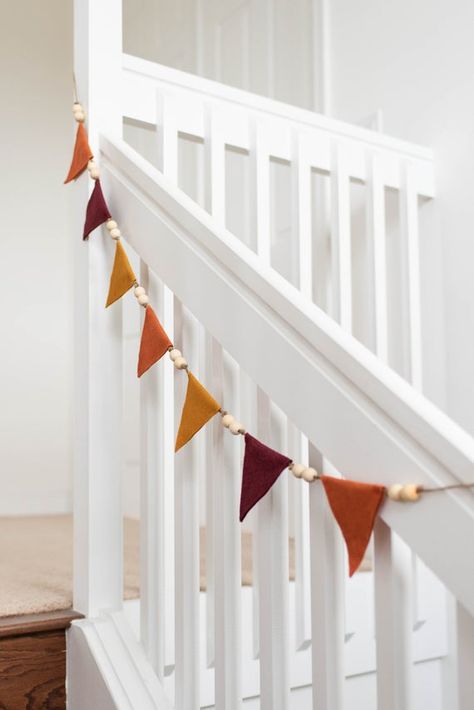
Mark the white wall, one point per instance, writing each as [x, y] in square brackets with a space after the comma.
[36, 139]
[414, 60]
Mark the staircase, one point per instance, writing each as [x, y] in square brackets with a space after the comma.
[257, 275]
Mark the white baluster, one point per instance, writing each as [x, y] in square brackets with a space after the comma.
[157, 497]
[167, 137]
[393, 619]
[301, 210]
[327, 598]
[187, 682]
[377, 242]
[272, 544]
[259, 184]
[411, 285]
[98, 545]
[341, 276]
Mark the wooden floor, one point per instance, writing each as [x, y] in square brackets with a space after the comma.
[33, 661]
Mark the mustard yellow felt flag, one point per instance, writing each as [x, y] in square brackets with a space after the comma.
[198, 408]
[122, 278]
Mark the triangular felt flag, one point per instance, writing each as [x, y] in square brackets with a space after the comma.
[122, 277]
[355, 506]
[154, 342]
[97, 211]
[262, 466]
[198, 408]
[81, 156]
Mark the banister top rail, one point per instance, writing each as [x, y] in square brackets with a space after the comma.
[142, 78]
[371, 423]
[425, 422]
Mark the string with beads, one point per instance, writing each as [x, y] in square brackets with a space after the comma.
[409, 492]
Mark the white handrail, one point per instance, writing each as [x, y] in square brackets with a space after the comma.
[390, 431]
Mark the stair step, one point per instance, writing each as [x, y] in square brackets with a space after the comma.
[33, 660]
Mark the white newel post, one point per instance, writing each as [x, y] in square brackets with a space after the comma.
[97, 331]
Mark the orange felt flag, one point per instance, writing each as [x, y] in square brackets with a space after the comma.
[81, 156]
[122, 277]
[154, 342]
[198, 408]
[355, 506]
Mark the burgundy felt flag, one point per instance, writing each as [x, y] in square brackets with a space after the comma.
[355, 506]
[262, 466]
[97, 211]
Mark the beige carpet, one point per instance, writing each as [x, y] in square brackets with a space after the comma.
[36, 563]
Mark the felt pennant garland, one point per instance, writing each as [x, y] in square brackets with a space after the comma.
[97, 211]
[262, 466]
[154, 342]
[122, 278]
[81, 155]
[199, 407]
[355, 506]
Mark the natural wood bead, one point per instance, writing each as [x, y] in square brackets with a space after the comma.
[94, 173]
[143, 300]
[409, 492]
[115, 233]
[139, 291]
[80, 116]
[227, 420]
[180, 363]
[91, 164]
[77, 107]
[297, 469]
[236, 428]
[175, 354]
[309, 474]
[111, 224]
[394, 491]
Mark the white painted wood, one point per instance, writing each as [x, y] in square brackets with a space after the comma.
[393, 619]
[157, 497]
[327, 599]
[142, 78]
[411, 251]
[97, 334]
[260, 190]
[186, 531]
[394, 429]
[109, 669]
[298, 451]
[465, 656]
[167, 138]
[301, 212]
[377, 236]
[272, 551]
[341, 268]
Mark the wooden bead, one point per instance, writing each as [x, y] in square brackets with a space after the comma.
[394, 491]
[114, 233]
[180, 363]
[175, 354]
[309, 474]
[297, 469]
[236, 427]
[409, 492]
[94, 173]
[111, 224]
[143, 300]
[80, 116]
[77, 107]
[227, 420]
[91, 164]
[139, 291]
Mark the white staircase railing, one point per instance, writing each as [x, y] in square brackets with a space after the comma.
[295, 376]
